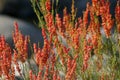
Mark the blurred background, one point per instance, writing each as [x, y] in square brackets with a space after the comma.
[22, 8]
[17, 8]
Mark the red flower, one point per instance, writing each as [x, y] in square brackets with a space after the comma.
[48, 5]
[21, 43]
[5, 58]
[117, 16]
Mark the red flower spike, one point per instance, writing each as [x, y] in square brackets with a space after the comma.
[48, 5]
[21, 43]
[44, 33]
[5, 58]
[30, 75]
[117, 16]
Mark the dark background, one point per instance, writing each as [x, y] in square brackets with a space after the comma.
[17, 8]
[22, 8]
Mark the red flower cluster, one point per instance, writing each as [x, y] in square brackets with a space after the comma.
[21, 44]
[71, 66]
[107, 21]
[117, 16]
[48, 5]
[86, 54]
[42, 55]
[5, 60]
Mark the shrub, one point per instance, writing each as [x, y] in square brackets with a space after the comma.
[75, 48]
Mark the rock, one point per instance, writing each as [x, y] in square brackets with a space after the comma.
[6, 29]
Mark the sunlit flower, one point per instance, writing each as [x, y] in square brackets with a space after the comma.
[5, 58]
[48, 5]
[21, 43]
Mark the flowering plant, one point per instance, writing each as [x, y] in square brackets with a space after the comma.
[85, 48]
